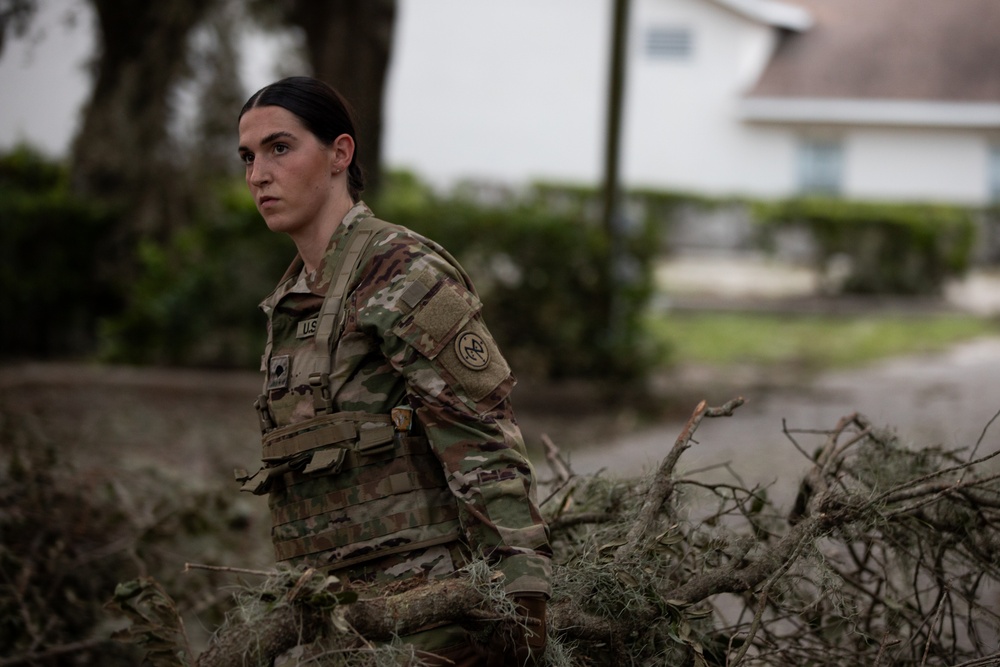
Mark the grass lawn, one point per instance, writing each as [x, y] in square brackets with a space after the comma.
[812, 341]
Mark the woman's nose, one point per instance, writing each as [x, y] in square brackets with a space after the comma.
[258, 174]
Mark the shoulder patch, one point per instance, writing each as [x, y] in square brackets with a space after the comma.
[477, 363]
[472, 350]
[432, 326]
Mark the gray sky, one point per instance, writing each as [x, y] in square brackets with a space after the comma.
[475, 89]
[43, 79]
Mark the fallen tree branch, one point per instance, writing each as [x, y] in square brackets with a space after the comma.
[382, 618]
[554, 458]
[662, 485]
[650, 602]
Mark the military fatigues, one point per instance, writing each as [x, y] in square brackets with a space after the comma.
[353, 492]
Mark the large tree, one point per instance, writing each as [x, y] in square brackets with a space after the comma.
[348, 43]
[122, 152]
[15, 16]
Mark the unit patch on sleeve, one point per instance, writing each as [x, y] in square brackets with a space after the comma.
[472, 350]
[474, 359]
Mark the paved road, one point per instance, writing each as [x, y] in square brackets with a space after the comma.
[944, 399]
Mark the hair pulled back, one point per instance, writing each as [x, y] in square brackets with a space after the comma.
[321, 109]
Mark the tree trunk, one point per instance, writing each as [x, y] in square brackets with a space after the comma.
[348, 43]
[121, 154]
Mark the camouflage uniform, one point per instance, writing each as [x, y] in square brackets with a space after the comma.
[392, 504]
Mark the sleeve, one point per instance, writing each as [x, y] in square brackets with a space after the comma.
[431, 331]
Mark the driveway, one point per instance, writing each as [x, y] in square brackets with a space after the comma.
[941, 399]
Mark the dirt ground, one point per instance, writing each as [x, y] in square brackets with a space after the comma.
[200, 425]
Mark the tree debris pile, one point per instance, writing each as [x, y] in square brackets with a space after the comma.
[69, 535]
[889, 556]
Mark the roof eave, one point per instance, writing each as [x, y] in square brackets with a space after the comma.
[912, 113]
[771, 12]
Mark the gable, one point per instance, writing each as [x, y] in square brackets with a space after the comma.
[928, 50]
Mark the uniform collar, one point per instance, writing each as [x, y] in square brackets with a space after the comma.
[297, 281]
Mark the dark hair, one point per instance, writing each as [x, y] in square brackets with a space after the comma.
[321, 109]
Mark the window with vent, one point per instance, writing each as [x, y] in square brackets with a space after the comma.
[669, 43]
[820, 166]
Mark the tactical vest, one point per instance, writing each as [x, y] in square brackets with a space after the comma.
[349, 487]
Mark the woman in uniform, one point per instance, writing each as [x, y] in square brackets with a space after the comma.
[390, 448]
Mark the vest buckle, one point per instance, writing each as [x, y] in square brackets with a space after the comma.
[322, 400]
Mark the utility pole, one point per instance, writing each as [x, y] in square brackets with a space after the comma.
[612, 134]
[612, 210]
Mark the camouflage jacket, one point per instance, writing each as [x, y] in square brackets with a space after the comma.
[402, 343]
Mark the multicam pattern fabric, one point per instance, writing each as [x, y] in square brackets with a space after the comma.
[461, 484]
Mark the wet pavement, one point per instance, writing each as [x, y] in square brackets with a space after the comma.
[942, 399]
[934, 399]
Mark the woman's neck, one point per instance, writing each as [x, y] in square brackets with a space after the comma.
[312, 241]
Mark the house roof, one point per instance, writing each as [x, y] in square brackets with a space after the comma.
[770, 12]
[939, 51]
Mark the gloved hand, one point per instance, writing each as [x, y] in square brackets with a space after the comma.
[520, 643]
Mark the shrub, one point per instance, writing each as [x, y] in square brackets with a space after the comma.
[195, 300]
[890, 248]
[560, 299]
[70, 535]
[545, 276]
[55, 284]
[563, 299]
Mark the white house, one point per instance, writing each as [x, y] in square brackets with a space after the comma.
[870, 99]
[879, 99]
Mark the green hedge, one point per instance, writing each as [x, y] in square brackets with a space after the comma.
[908, 249]
[544, 275]
[56, 281]
[561, 297]
[555, 299]
[195, 300]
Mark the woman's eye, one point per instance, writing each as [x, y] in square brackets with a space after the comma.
[246, 158]
[279, 149]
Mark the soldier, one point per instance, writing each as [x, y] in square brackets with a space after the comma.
[390, 448]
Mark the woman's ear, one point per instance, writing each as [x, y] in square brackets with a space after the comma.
[341, 153]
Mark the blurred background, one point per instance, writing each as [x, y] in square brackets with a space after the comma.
[720, 148]
[660, 200]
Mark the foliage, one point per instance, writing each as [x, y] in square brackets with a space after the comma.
[195, 299]
[156, 625]
[54, 283]
[888, 556]
[560, 298]
[70, 535]
[551, 278]
[888, 248]
[544, 268]
[543, 276]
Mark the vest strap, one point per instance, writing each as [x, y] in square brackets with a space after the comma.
[330, 319]
[445, 514]
[289, 441]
